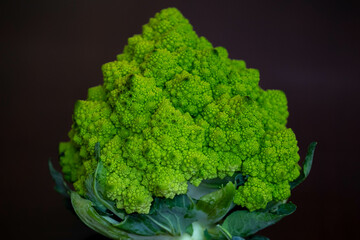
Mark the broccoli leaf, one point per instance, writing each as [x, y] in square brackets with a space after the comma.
[167, 216]
[244, 223]
[258, 237]
[211, 185]
[102, 224]
[199, 191]
[240, 179]
[60, 184]
[217, 204]
[237, 238]
[307, 166]
[225, 233]
[87, 213]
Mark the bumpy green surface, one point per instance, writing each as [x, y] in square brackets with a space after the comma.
[172, 110]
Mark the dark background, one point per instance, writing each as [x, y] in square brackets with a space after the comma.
[52, 51]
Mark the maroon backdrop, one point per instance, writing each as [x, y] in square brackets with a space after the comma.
[52, 51]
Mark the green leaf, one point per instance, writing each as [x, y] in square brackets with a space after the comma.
[199, 191]
[307, 166]
[211, 185]
[102, 224]
[240, 179]
[87, 213]
[258, 237]
[217, 183]
[215, 232]
[217, 204]
[189, 230]
[167, 216]
[237, 238]
[244, 223]
[60, 184]
[207, 235]
[225, 232]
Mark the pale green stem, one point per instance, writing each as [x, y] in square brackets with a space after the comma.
[198, 233]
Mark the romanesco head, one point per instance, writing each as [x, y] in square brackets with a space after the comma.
[174, 110]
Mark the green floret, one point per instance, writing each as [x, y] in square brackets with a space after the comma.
[276, 165]
[280, 154]
[174, 110]
[70, 161]
[165, 182]
[137, 49]
[160, 65]
[92, 124]
[189, 93]
[254, 194]
[281, 191]
[274, 104]
[96, 94]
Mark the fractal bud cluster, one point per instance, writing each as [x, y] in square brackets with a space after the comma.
[180, 142]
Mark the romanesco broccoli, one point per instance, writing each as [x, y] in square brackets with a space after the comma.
[174, 110]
